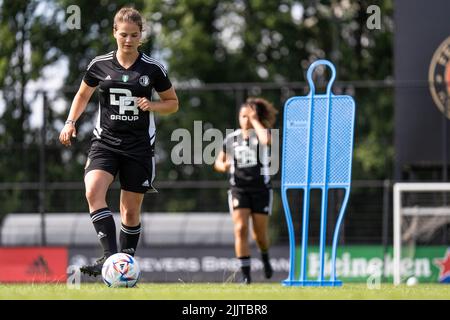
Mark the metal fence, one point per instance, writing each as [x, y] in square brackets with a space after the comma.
[368, 217]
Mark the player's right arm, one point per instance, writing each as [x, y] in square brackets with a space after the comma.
[222, 164]
[79, 104]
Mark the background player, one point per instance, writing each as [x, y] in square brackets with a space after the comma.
[124, 134]
[245, 156]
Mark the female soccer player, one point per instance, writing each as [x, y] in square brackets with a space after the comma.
[124, 134]
[245, 157]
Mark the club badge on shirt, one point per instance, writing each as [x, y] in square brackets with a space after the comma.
[144, 80]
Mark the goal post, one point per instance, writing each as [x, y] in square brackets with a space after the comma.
[436, 211]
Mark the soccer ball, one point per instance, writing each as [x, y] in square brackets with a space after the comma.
[120, 270]
[412, 281]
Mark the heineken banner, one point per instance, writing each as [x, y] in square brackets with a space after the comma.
[359, 263]
[217, 264]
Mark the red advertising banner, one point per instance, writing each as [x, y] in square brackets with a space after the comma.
[37, 264]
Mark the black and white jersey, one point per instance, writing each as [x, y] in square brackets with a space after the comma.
[249, 161]
[121, 126]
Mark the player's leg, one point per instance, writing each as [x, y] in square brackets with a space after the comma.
[261, 209]
[240, 222]
[100, 170]
[241, 245]
[136, 177]
[240, 214]
[260, 234]
[97, 183]
[130, 213]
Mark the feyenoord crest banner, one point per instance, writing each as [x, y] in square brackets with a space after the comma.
[422, 72]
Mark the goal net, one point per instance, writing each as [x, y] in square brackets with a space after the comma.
[421, 217]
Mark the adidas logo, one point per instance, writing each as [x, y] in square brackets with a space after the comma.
[108, 77]
[146, 184]
[101, 235]
[39, 266]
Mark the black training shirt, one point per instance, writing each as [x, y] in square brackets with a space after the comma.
[121, 126]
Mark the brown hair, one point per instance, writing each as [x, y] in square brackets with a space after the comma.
[128, 14]
[266, 112]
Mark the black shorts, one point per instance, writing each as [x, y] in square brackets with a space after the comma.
[257, 201]
[135, 174]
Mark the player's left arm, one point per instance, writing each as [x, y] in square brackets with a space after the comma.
[168, 102]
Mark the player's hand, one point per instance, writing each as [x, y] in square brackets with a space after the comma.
[222, 166]
[144, 104]
[252, 114]
[69, 131]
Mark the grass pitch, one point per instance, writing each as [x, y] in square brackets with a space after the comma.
[218, 291]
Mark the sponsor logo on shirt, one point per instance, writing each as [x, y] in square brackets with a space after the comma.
[128, 109]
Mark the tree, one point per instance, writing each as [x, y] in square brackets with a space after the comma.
[252, 40]
[27, 38]
[27, 33]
